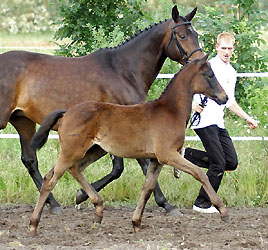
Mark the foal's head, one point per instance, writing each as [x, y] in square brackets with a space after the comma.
[205, 82]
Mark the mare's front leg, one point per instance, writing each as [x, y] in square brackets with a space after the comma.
[147, 189]
[174, 159]
[26, 130]
[118, 167]
[160, 199]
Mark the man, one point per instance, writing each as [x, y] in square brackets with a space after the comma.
[220, 153]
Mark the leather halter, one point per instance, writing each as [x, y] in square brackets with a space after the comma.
[183, 53]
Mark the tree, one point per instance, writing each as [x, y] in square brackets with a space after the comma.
[81, 19]
[245, 20]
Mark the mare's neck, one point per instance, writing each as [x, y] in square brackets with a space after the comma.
[142, 57]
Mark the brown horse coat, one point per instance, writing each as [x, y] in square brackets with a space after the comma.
[32, 85]
[153, 130]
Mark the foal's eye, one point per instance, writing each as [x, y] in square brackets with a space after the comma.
[211, 75]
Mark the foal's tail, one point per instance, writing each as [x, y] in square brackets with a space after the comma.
[41, 136]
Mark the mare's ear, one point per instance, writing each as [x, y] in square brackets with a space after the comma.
[190, 16]
[175, 14]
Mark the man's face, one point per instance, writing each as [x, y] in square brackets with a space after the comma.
[225, 50]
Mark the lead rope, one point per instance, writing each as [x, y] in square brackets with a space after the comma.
[196, 117]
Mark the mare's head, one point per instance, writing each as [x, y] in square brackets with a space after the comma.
[205, 82]
[182, 45]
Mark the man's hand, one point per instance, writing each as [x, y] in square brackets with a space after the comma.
[252, 123]
[198, 108]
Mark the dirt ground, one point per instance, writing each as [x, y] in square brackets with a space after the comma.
[75, 229]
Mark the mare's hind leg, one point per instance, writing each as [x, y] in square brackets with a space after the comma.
[160, 199]
[118, 167]
[26, 130]
[147, 189]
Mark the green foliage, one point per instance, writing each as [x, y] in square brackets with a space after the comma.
[245, 20]
[258, 98]
[90, 23]
[25, 16]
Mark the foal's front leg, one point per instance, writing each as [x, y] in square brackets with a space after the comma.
[147, 189]
[174, 159]
[160, 199]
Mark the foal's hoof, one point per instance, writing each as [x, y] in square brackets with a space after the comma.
[226, 219]
[56, 210]
[136, 227]
[80, 196]
[33, 231]
[98, 219]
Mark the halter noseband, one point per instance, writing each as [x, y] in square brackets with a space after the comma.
[183, 53]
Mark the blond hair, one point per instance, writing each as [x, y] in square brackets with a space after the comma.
[226, 36]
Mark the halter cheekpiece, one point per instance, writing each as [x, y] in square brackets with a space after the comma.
[183, 53]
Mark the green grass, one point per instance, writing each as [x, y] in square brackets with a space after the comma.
[247, 186]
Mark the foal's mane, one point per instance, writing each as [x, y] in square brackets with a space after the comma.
[173, 79]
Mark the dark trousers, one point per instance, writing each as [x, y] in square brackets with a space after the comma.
[220, 156]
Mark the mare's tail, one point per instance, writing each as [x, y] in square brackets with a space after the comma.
[41, 136]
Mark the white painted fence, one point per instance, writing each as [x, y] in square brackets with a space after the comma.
[187, 138]
[163, 76]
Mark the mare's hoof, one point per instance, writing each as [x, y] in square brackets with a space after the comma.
[80, 197]
[173, 212]
[56, 210]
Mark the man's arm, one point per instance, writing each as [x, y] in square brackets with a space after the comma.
[235, 108]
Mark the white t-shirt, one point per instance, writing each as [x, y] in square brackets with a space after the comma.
[213, 113]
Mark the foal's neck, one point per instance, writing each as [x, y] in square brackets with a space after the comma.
[178, 95]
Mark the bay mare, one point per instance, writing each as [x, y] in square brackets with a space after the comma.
[154, 130]
[33, 85]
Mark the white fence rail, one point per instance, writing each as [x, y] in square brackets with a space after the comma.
[187, 138]
[163, 76]
[258, 74]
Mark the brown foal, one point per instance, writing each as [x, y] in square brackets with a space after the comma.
[154, 130]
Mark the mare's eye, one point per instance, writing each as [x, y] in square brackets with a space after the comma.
[182, 37]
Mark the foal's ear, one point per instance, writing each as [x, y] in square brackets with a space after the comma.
[205, 58]
[175, 14]
[190, 16]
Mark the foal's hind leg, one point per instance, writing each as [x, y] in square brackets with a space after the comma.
[147, 189]
[26, 130]
[50, 180]
[92, 193]
[160, 199]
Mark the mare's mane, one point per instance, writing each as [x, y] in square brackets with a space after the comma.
[148, 29]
